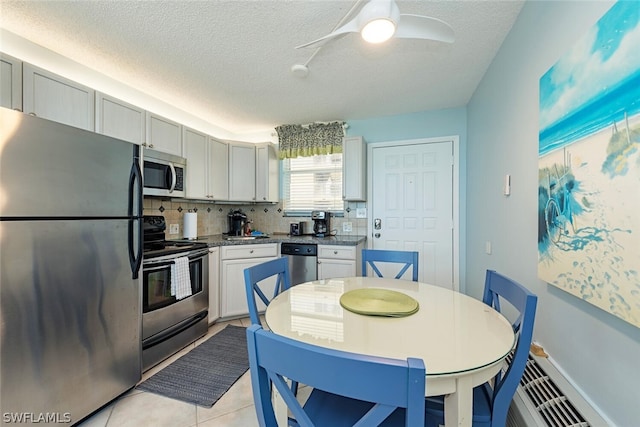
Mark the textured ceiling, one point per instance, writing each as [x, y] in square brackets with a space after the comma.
[228, 62]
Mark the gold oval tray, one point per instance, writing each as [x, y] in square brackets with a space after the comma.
[379, 302]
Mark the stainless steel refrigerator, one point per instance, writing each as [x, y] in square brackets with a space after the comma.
[70, 254]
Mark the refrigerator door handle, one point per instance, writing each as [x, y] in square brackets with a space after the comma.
[135, 193]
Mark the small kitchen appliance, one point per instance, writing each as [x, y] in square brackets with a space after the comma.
[237, 223]
[321, 223]
[296, 229]
[164, 174]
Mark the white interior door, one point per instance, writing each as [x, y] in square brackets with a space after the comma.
[414, 204]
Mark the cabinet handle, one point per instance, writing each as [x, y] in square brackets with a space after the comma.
[335, 252]
[17, 109]
[251, 251]
[33, 114]
[144, 144]
[150, 145]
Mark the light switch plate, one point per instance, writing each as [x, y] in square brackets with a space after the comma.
[347, 227]
[174, 228]
[361, 212]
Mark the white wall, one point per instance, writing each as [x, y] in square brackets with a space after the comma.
[599, 352]
[39, 56]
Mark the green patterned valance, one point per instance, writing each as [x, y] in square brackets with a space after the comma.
[310, 140]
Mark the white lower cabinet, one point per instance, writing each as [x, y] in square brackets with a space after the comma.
[234, 259]
[214, 284]
[338, 261]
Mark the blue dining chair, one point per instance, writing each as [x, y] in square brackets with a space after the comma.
[373, 256]
[490, 404]
[348, 388]
[258, 273]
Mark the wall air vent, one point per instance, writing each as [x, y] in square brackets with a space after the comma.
[546, 399]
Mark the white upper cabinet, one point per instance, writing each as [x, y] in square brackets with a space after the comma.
[266, 173]
[207, 168]
[163, 135]
[196, 151]
[354, 169]
[53, 97]
[120, 120]
[10, 82]
[242, 172]
[218, 169]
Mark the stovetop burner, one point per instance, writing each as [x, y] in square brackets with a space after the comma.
[155, 244]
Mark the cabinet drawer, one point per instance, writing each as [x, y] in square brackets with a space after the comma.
[249, 251]
[336, 252]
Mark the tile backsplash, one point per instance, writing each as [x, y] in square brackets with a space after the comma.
[268, 218]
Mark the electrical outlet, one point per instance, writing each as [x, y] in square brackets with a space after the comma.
[347, 227]
[174, 228]
[361, 212]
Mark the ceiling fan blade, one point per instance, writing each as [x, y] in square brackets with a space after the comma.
[424, 27]
[349, 27]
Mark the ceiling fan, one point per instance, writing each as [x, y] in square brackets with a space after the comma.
[380, 20]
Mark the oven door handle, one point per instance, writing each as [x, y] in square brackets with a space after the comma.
[169, 259]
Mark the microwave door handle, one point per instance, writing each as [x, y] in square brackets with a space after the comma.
[173, 178]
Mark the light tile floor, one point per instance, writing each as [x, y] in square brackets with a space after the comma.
[138, 408]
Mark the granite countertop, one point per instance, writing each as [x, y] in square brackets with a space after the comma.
[219, 240]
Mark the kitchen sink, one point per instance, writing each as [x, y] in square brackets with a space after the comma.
[263, 236]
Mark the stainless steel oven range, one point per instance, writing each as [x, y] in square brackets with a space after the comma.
[175, 294]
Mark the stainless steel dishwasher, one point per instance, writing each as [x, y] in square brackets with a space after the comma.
[303, 261]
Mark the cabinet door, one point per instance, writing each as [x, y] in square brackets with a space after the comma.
[219, 170]
[266, 173]
[242, 172]
[120, 120]
[164, 134]
[196, 151]
[354, 169]
[332, 268]
[53, 97]
[233, 296]
[214, 284]
[10, 82]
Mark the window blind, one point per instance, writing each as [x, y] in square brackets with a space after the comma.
[312, 183]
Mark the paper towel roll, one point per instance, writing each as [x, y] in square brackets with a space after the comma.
[190, 225]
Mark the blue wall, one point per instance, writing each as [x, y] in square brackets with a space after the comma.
[425, 124]
[597, 351]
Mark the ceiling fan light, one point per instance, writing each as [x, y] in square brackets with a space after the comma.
[378, 30]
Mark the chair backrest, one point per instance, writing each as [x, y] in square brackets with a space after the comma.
[389, 383]
[499, 287]
[254, 275]
[408, 258]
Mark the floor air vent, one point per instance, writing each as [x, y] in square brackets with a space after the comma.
[546, 399]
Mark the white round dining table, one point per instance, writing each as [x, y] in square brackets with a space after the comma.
[461, 340]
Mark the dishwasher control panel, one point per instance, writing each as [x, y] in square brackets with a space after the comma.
[301, 249]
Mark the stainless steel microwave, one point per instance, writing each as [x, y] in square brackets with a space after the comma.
[164, 174]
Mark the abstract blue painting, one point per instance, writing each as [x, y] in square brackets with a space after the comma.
[589, 166]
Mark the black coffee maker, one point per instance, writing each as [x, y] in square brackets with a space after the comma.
[237, 222]
[321, 223]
